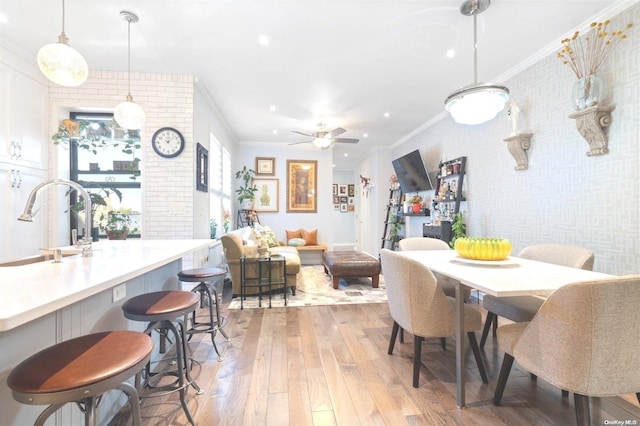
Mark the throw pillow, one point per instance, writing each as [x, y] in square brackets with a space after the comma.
[293, 234]
[310, 237]
[296, 242]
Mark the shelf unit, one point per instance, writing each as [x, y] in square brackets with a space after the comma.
[246, 218]
[392, 219]
[448, 191]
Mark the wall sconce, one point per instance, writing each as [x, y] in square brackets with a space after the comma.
[591, 124]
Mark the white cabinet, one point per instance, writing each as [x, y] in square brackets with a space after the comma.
[23, 119]
[21, 239]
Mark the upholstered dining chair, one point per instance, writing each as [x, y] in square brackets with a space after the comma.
[584, 338]
[419, 306]
[523, 308]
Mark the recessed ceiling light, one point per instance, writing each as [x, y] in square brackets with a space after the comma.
[275, 131]
[365, 135]
[346, 155]
[451, 53]
[263, 40]
[386, 114]
[272, 108]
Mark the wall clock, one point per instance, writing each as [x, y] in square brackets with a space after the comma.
[167, 142]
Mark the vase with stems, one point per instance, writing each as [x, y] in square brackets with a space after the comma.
[587, 92]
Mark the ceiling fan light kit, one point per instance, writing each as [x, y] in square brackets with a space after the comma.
[323, 139]
[61, 63]
[128, 114]
[476, 103]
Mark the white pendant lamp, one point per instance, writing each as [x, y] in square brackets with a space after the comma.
[128, 114]
[478, 102]
[324, 142]
[61, 63]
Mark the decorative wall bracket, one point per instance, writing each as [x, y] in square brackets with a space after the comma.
[591, 123]
[518, 145]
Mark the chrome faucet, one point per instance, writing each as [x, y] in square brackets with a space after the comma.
[28, 214]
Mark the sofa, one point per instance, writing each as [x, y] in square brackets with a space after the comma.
[245, 242]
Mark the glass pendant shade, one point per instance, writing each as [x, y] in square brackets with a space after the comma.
[63, 64]
[129, 115]
[322, 143]
[477, 103]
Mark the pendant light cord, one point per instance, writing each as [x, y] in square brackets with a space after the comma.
[475, 47]
[129, 56]
[62, 16]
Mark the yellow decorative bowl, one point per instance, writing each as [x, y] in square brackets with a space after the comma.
[483, 248]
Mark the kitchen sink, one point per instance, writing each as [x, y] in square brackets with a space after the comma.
[46, 255]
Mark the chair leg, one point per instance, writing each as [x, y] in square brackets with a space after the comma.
[533, 377]
[476, 353]
[583, 418]
[638, 396]
[495, 325]
[394, 334]
[417, 353]
[402, 335]
[507, 362]
[487, 327]
[443, 343]
[565, 393]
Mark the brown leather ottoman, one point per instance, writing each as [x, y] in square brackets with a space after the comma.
[351, 264]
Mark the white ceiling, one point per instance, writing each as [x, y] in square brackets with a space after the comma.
[342, 62]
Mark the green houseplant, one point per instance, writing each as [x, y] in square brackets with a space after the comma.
[213, 228]
[247, 190]
[118, 225]
[458, 228]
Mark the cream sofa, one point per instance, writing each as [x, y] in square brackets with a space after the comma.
[241, 242]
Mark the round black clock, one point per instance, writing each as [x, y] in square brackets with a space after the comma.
[167, 142]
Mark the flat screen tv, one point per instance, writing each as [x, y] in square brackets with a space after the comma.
[411, 173]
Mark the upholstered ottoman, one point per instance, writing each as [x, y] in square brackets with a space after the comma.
[351, 264]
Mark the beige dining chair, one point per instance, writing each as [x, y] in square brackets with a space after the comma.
[523, 308]
[584, 339]
[419, 306]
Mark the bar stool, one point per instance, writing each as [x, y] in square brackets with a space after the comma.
[207, 278]
[80, 370]
[166, 311]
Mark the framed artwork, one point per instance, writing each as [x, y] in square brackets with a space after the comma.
[267, 196]
[343, 208]
[351, 190]
[202, 168]
[352, 201]
[343, 199]
[336, 199]
[302, 176]
[352, 208]
[342, 189]
[265, 166]
[336, 206]
[335, 189]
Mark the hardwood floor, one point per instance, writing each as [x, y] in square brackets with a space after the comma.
[328, 365]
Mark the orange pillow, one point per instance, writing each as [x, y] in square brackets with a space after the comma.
[293, 234]
[310, 237]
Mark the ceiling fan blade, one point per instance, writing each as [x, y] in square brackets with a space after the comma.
[345, 140]
[297, 143]
[337, 131]
[303, 134]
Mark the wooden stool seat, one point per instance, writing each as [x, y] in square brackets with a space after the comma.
[80, 370]
[160, 305]
[213, 321]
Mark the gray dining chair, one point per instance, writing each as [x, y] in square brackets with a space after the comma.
[419, 306]
[523, 308]
[584, 339]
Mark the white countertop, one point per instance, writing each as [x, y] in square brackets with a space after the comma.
[32, 291]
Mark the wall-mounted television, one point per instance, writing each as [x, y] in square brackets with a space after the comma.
[411, 173]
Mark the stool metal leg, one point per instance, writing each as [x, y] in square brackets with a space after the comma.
[215, 323]
[134, 401]
[46, 413]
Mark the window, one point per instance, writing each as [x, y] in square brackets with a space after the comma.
[219, 183]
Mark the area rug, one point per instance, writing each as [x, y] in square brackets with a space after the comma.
[314, 288]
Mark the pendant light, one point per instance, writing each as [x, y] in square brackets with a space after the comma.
[128, 114]
[61, 63]
[478, 102]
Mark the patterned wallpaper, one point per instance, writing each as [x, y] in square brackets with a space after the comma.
[564, 196]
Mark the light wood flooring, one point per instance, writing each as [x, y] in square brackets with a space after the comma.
[328, 365]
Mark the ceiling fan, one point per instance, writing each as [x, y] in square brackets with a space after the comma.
[324, 138]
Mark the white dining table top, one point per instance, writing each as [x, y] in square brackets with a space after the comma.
[514, 276]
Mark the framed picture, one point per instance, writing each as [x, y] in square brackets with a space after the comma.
[335, 189]
[352, 201]
[352, 190]
[268, 196]
[352, 208]
[265, 166]
[202, 168]
[342, 189]
[302, 176]
[343, 198]
[336, 199]
[343, 208]
[336, 206]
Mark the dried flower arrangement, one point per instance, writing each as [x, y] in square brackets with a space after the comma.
[584, 55]
[416, 199]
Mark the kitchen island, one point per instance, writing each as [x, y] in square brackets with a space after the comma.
[44, 303]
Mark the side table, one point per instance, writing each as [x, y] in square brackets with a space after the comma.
[265, 276]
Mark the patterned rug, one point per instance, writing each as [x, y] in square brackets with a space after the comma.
[314, 288]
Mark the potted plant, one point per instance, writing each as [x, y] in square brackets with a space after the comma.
[98, 195]
[458, 228]
[118, 226]
[247, 190]
[416, 201]
[213, 228]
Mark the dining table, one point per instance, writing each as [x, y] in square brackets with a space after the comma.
[513, 276]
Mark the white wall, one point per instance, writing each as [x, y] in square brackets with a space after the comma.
[344, 229]
[564, 196]
[245, 154]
